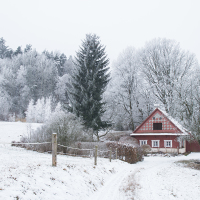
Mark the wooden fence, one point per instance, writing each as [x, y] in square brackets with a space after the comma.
[116, 151]
[55, 146]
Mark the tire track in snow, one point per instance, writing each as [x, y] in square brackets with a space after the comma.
[111, 189]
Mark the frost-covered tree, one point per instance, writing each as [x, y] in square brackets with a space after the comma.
[189, 105]
[28, 48]
[18, 51]
[25, 77]
[5, 105]
[9, 85]
[47, 109]
[58, 108]
[195, 125]
[59, 60]
[131, 104]
[5, 51]
[42, 78]
[89, 82]
[30, 113]
[61, 88]
[165, 66]
[39, 110]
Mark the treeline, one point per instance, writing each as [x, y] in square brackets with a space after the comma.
[159, 73]
[27, 75]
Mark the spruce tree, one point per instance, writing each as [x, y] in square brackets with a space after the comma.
[89, 83]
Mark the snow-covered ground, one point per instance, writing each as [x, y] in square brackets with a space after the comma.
[161, 178]
[12, 131]
[29, 175]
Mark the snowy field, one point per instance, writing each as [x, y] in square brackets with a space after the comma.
[29, 175]
[12, 131]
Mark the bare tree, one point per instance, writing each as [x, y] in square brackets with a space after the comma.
[129, 97]
[189, 105]
[165, 66]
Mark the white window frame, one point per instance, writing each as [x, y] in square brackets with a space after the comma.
[142, 142]
[166, 143]
[152, 143]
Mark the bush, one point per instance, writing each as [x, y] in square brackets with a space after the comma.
[68, 127]
[129, 140]
[126, 152]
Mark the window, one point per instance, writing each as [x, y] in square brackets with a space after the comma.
[155, 143]
[168, 143]
[157, 126]
[142, 142]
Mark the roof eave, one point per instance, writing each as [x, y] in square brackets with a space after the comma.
[146, 134]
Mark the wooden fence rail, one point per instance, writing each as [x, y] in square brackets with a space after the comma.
[55, 149]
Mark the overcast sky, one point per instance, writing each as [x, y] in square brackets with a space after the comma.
[62, 24]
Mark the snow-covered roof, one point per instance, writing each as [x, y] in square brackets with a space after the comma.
[182, 130]
[159, 134]
[176, 123]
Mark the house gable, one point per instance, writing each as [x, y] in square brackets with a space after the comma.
[161, 132]
[158, 122]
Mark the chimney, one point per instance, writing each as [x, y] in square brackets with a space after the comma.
[156, 106]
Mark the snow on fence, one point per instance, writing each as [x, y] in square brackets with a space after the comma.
[116, 150]
[93, 152]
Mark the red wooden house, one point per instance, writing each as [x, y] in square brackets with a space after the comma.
[161, 132]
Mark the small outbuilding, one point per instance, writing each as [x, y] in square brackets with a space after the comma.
[162, 133]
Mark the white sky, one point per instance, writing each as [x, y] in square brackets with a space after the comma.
[62, 24]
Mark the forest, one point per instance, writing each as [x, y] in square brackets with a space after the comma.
[34, 85]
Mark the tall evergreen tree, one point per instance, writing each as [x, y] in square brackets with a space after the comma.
[89, 83]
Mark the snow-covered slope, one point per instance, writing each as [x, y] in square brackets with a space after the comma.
[29, 175]
[160, 178]
[12, 131]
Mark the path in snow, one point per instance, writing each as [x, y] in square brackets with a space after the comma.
[160, 178]
[155, 178]
[111, 189]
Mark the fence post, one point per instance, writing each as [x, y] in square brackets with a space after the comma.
[54, 149]
[116, 153]
[177, 150]
[110, 154]
[95, 156]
